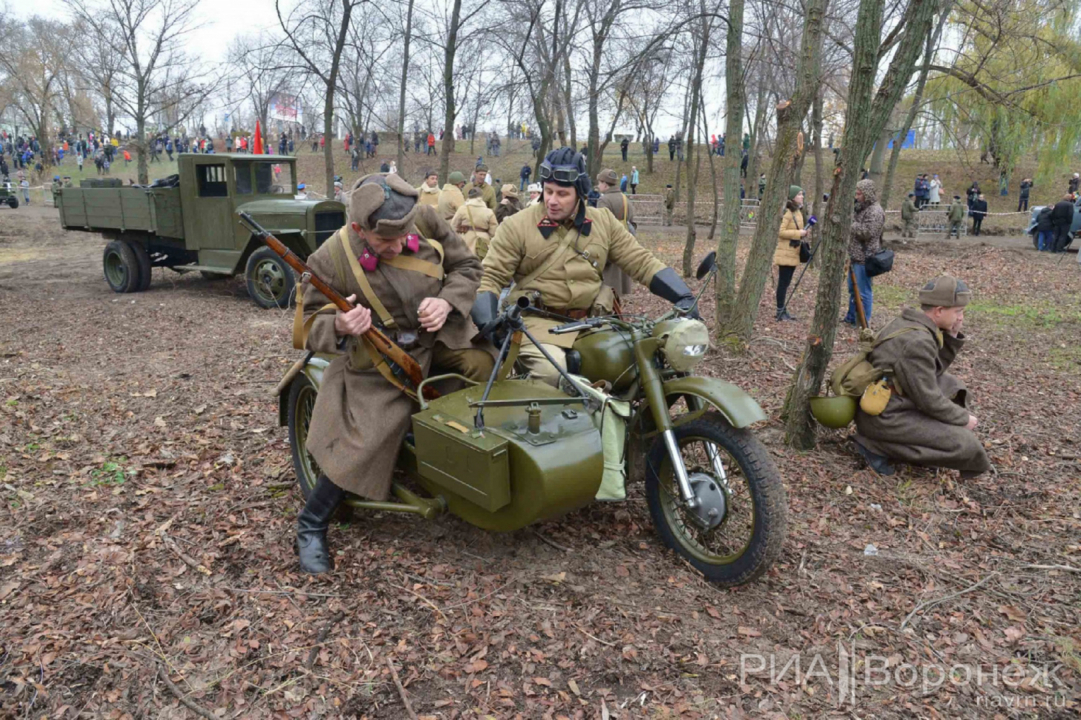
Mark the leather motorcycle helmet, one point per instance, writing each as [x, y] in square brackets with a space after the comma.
[563, 166]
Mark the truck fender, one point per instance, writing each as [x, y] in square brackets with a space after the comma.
[291, 240]
[738, 408]
[312, 366]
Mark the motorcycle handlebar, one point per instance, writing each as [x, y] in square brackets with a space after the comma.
[570, 327]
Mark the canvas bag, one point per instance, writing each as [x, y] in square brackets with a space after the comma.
[856, 374]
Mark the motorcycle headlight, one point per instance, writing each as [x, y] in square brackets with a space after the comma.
[686, 343]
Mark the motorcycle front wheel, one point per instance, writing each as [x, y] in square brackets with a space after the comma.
[749, 537]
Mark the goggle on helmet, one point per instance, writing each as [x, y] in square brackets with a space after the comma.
[562, 174]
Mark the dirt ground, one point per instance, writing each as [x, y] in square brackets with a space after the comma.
[149, 505]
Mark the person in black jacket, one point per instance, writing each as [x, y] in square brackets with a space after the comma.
[979, 210]
[1045, 231]
[1061, 222]
[1022, 200]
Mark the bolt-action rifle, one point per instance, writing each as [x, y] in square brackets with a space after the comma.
[401, 364]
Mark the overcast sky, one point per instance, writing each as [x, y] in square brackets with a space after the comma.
[221, 22]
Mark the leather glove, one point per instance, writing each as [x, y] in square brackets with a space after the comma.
[670, 286]
[486, 317]
[485, 309]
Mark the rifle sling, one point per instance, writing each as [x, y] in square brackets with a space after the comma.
[379, 360]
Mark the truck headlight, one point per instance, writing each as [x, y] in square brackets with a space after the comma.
[687, 342]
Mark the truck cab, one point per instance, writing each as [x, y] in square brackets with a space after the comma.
[188, 222]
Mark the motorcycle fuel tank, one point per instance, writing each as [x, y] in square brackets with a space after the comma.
[608, 355]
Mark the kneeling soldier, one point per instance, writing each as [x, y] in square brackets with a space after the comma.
[925, 421]
[401, 262]
[559, 249]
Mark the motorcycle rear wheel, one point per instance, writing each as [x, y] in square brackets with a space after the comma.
[749, 539]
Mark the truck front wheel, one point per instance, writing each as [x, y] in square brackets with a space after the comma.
[121, 267]
[270, 280]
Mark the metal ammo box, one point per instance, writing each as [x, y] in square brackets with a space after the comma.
[470, 462]
[538, 455]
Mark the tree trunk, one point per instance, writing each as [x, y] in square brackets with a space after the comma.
[568, 90]
[141, 166]
[328, 105]
[752, 153]
[110, 114]
[448, 90]
[735, 101]
[917, 98]
[713, 177]
[691, 149]
[649, 149]
[864, 121]
[682, 134]
[786, 155]
[816, 122]
[877, 155]
[401, 91]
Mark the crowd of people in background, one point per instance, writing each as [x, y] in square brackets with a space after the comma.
[26, 157]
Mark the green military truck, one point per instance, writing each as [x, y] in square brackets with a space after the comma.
[7, 195]
[188, 222]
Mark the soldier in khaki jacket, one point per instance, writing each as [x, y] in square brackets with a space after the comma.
[450, 197]
[429, 189]
[422, 280]
[615, 200]
[559, 249]
[508, 203]
[475, 223]
[487, 192]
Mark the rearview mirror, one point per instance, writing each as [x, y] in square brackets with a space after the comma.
[707, 264]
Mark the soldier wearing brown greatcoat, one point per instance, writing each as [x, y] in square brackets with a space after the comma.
[425, 279]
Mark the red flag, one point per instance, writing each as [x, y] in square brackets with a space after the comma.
[258, 144]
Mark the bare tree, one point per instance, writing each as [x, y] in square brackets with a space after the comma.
[100, 66]
[538, 42]
[616, 52]
[917, 98]
[787, 153]
[317, 34]
[257, 59]
[33, 57]
[155, 75]
[451, 30]
[404, 80]
[736, 101]
[866, 114]
[701, 42]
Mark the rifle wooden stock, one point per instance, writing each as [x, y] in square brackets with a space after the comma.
[374, 335]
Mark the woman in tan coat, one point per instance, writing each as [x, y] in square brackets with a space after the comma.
[786, 257]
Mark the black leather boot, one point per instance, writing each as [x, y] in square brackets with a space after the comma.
[879, 463]
[312, 527]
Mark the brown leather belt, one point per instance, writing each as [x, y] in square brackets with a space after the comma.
[572, 314]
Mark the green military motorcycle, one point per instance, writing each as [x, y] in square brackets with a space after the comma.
[515, 451]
